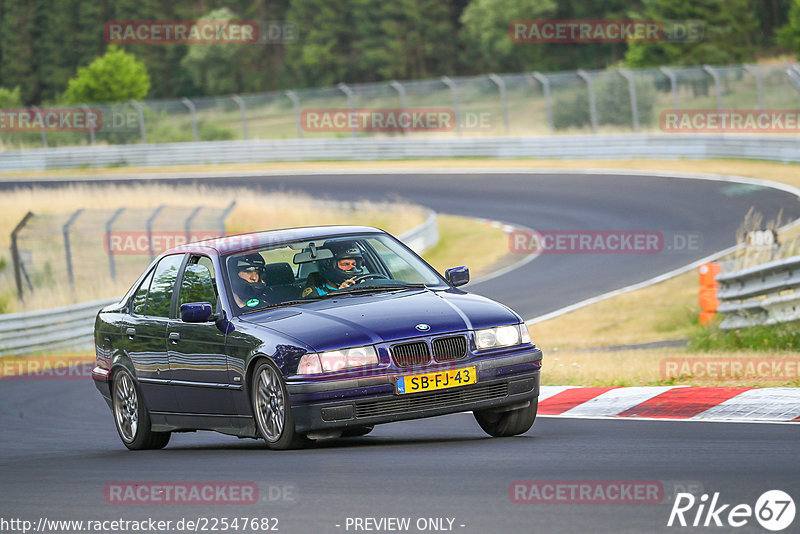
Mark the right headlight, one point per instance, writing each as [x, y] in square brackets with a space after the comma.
[501, 336]
[336, 360]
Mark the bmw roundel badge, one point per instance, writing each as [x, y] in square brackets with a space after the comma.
[422, 327]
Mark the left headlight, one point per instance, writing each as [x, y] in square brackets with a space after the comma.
[501, 336]
[336, 360]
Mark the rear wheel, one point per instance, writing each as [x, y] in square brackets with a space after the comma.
[131, 416]
[509, 423]
[272, 411]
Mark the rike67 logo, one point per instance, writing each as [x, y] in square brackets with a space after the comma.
[774, 510]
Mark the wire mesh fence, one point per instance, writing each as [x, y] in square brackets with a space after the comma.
[609, 101]
[98, 252]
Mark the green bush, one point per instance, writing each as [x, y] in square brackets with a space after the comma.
[612, 99]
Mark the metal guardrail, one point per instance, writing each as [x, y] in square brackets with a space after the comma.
[663, 146]
[72, 327]
[761, 295]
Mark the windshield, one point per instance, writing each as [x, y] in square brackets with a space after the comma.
[301, 271]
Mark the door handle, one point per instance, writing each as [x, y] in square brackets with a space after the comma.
[130, 332]
[174, 336]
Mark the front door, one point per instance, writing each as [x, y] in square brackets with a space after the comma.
[197, 350]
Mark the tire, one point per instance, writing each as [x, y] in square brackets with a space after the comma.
[271, 409]
[357, 431]
[510, 423]
[131, 416]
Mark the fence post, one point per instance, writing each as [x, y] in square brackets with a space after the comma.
[37, 111]
[351, 103]
[187, 224]
[793, 72]
[296, 105]
[759, 84]
[501, 86]
[15, 259]
[193, 111]
[592, 104]
[224, 216]
[243, 111]
[112, 267]
[628, 75]
[542, 79]
[149, 227]
[673, 83]
[67, 249]
[140, 111]
[401, 91]
[454, 91]
[88, 111]
[715, 75]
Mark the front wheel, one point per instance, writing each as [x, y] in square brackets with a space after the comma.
[510, 423]
[131, 416]
[272, 411]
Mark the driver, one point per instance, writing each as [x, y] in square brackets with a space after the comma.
[336, 273]
[248, 288]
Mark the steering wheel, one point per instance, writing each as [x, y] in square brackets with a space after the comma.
[369, 276]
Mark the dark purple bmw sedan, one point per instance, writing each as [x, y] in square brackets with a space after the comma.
[304, 334]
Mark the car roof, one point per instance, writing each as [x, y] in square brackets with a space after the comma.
[253, 240]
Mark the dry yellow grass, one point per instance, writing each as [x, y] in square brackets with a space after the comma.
[655, 367]
[663, 311]
[465, 241]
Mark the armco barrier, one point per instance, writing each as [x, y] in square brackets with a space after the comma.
[761, 295]
[772, 148]
[71, 327]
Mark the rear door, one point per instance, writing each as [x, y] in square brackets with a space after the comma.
[197, 350]
[145, 333]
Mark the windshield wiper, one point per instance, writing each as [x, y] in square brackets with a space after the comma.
[370, 289]
[286, 303]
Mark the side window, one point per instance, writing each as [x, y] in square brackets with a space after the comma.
[140, 298]
[158, 300]
[199, 282]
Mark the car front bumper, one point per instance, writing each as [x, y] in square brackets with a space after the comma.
[507, 381]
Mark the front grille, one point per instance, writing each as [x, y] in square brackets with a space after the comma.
[408, 354]
[446, 349]
[435, 399]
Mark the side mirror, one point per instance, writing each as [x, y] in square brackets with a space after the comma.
[196, 312]
[457, 276]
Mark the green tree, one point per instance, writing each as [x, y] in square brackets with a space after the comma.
[116, 76]
[486, 37]
[729, 29]
[326, 52]
[214, 67]
[10, 98]
[789, 35]
[17, 41]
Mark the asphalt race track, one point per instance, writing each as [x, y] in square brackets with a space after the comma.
[59, 449]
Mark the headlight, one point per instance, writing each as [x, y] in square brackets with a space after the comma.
[336, 360]
[501, 336]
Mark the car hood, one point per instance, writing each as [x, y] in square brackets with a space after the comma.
[365, 319]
